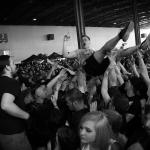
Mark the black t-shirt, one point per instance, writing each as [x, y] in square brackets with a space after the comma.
[93, 68]
[10, 124]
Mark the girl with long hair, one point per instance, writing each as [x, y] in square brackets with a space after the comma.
[95, 132]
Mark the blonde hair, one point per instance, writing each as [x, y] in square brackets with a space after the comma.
[103, 129]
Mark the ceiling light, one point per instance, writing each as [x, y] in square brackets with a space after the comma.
[34, 19]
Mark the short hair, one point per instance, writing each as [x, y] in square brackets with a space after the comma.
[103, 129]
[86, 36]
[115, 119]
[75, 95]
[4, 60]
[67, 139]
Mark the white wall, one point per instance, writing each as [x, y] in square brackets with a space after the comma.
[23, 41]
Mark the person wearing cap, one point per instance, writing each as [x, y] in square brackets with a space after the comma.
[12, 113]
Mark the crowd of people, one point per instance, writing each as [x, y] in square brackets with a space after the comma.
[85, 100]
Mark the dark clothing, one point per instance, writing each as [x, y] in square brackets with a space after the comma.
[93, 68]
[10, 124]
[141, 137]
[145, 142]
[12, 135]
[16, 141]
[135, 123]
[135, 108]
[120, 101]
[44, 123]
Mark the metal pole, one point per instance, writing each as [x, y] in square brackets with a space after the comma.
[77, 18]
[81, 18]
[136, 23]
[79, 21]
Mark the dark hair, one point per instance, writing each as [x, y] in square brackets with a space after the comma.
[4, 60]
[67, 139]
[75, 95]
[115, 119]
[86, 36]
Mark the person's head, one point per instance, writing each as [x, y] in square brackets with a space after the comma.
[66, 139]
[94, 129]
[147, 119]
[41, 92]
[74, 99]
[91, 85]
[28, 97]
[86, 42]
[115, 120]
[7, 65]
[121, 103]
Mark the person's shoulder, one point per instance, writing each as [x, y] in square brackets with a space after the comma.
[6, 80]
[135, 146]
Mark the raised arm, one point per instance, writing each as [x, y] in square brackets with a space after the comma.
[143, 70]
[128, 51]
[119, 75]
[54, 97]
[104, 88]
[134, 68]
[123, 68]
[55, 79]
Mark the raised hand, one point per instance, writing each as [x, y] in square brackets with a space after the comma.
[93, 106]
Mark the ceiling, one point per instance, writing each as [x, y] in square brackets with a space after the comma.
[97, 13]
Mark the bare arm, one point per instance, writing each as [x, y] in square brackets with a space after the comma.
[135, 70]
[53, 81]
[8, 105]
[54, 97]
[61, 67]
[119, 75]
[123, 68]
[143, 70]
[128, 51]
[104, 88]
